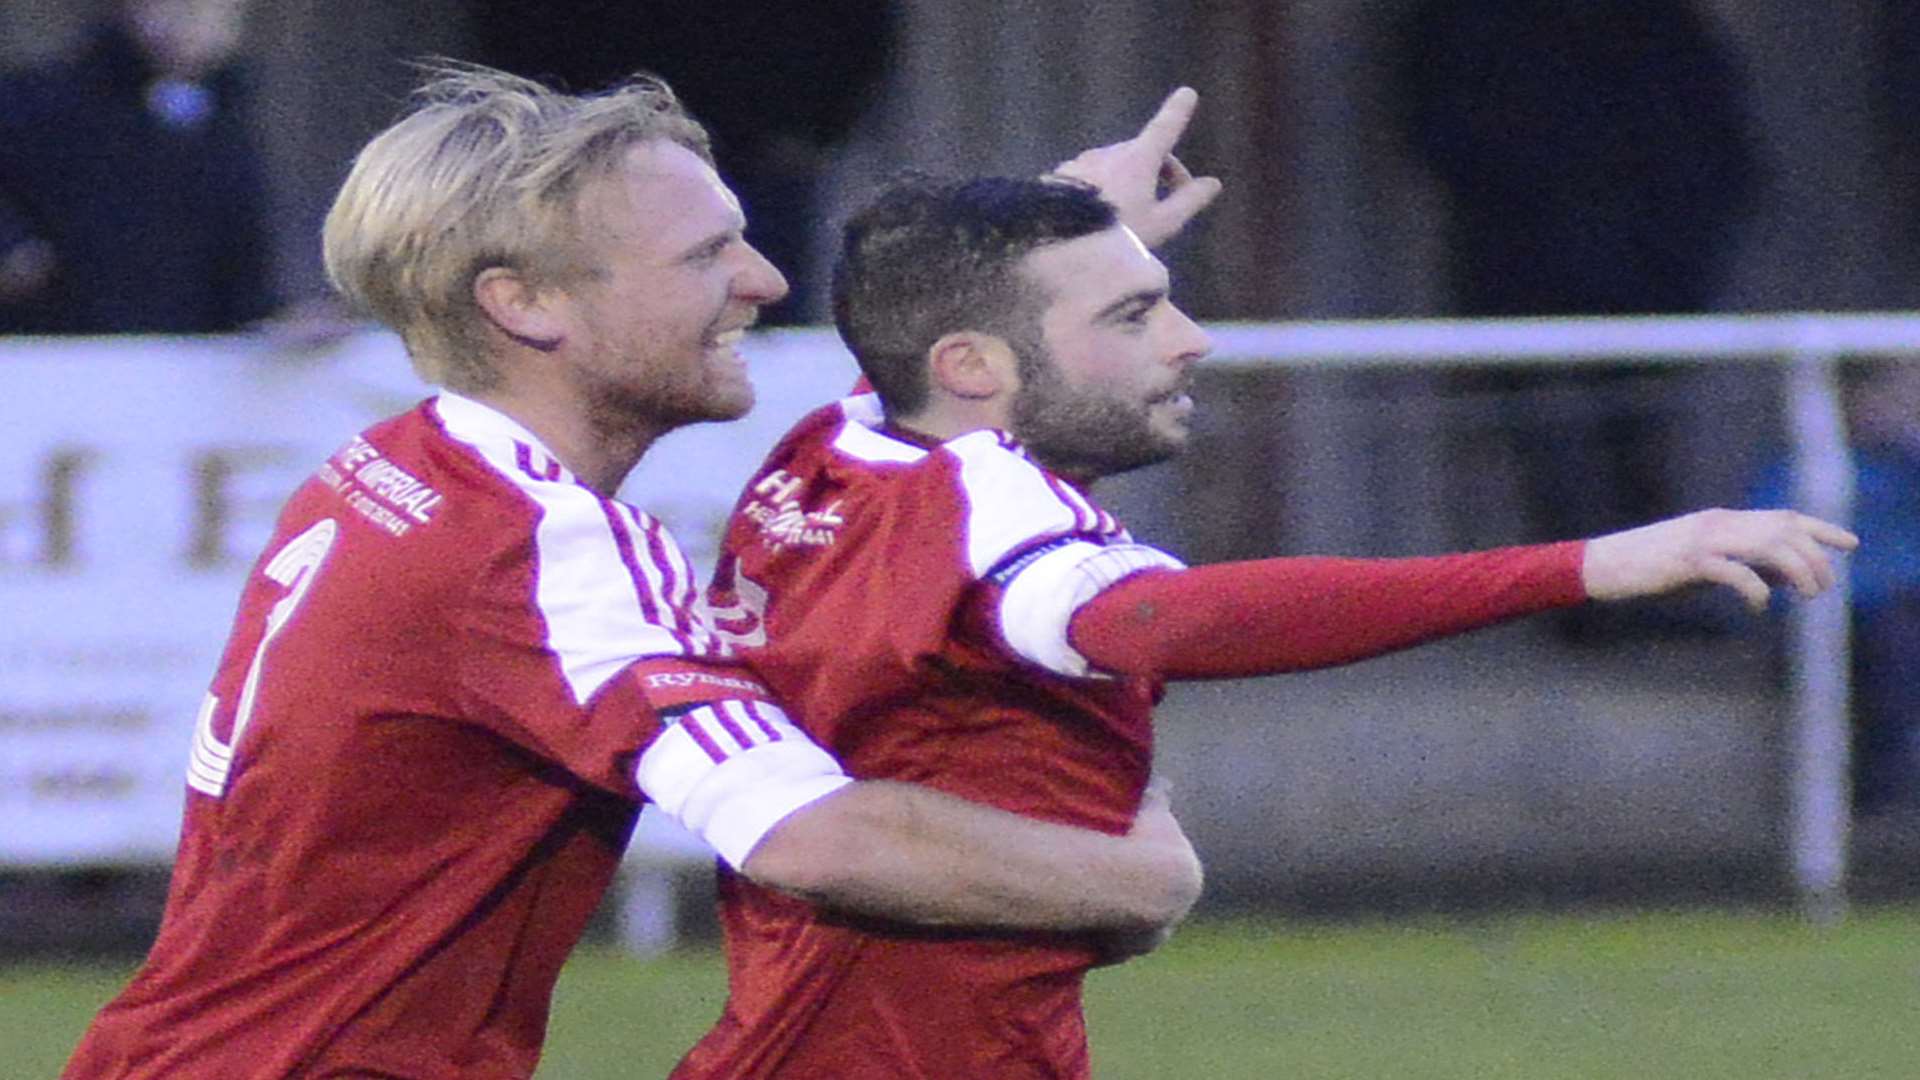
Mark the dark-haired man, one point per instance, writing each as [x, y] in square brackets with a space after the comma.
[922, 576]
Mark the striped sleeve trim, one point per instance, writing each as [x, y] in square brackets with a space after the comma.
[1010, 503]
[729, 771]
[726, 728]
[1043, 595]
[1088, 517]
[672, 595]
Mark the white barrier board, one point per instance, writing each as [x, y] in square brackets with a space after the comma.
[139, 478]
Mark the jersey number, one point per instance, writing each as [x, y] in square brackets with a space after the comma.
[294, 567]
[742, 624]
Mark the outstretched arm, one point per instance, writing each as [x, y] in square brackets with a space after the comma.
[1155, 194]
[1233, 620]
[1262, 617]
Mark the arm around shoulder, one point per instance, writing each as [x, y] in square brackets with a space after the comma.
[777, 807]
[917, 855]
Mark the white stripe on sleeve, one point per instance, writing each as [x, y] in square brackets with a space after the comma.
[599, 583]
[1043, 596]
[730, 772]
[1009, 501]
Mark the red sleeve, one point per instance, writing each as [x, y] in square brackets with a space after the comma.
[1234, 620]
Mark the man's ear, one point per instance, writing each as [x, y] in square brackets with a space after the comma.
[520, 309]
[973, 366]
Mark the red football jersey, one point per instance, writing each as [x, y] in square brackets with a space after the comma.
[914, 605]
[870, 578]
[414, 772]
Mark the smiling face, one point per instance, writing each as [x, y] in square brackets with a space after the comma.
[670, 287]
[1105, 388]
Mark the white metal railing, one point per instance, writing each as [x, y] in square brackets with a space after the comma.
[1809, 345]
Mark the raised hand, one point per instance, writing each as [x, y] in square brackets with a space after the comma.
[1746, 550]
[1155, 193]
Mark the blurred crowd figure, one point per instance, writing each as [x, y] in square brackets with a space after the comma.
[1882, 402]
[132, 194]
[1897, 90]
[780, 85]
[1597, 158]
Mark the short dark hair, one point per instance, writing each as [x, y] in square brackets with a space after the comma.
[930, 257]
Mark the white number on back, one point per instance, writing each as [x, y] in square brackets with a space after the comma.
[295, 567]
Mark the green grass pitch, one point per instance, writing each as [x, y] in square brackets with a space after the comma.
[1691, 996]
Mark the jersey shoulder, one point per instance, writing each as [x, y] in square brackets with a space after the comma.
[489, 476]
[440, 499]
[979, 490]
[597, 564]
[1011, 503]
[465, 497]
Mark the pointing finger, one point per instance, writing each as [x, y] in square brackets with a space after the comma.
[1829, 534]
[1164, 130]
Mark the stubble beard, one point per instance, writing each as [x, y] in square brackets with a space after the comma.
[646, 403]
[1078, 432]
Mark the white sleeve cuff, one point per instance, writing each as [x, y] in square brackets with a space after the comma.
[730, 772]
[1043, 596]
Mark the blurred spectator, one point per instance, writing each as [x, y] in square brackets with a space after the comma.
[1597, 158]
[1883, 413]
[1897, 88]
[131, 194]
[778, 84]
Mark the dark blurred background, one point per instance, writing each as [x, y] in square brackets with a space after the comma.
[1329, 211]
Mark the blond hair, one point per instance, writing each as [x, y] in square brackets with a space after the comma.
[485, 170]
